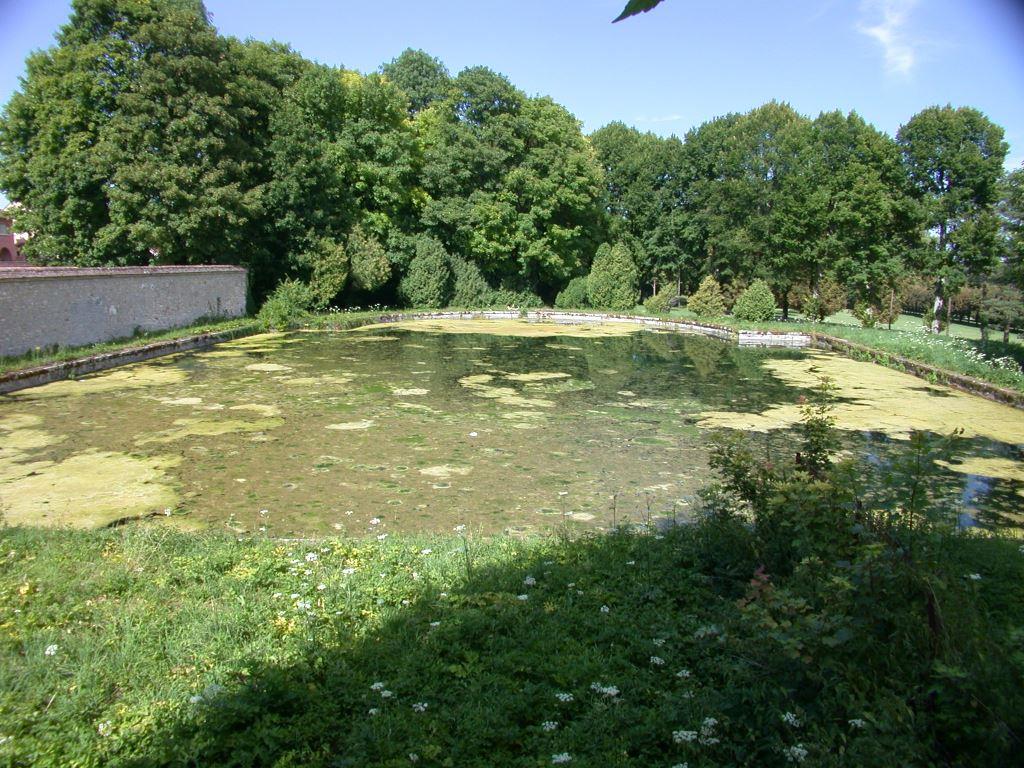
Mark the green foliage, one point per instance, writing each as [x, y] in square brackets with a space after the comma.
[661, 302]
[470, 289]
[756, 303]
[866, 314]
[510, 183]
[507, 297]
[428, 282]
[954, 160]
[574, 295]
[707, 301]
[328, 265]
[421, 77]
[614, 281]
[633, 7]
[287, 306]
[368, 261]
[829, 298]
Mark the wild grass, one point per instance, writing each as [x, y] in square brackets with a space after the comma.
[140, 646]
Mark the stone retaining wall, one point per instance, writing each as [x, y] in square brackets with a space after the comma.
[68, 307]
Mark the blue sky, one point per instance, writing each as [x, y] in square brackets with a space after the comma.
[666, 71]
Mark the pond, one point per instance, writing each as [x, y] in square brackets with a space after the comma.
[427, 426]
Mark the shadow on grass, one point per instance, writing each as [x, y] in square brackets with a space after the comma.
[615, 650]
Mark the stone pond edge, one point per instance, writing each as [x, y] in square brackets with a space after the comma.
[25, 378]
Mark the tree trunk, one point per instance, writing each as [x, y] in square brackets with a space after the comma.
[949, 314]
[892, 300]
[785, 305]
[937, 308]
[654, 286]
[982, 318]
[1006, 332]
[679, 282]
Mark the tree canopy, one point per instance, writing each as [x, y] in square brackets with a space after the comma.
[144, 136]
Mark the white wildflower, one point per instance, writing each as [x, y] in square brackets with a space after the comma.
[605, 609]
[377, 686]
[413, 757]
[321, 587]
[529, 581]
[682, 674]
[312, 557]
[683, 737]
[856, 723]
[561, 758]
[51, 650]
[549, 725]
[658, 641]
[103, 728]
[459, 528]
[419, 706]
[373, 712]
[348, 571]
[974, 576]
[522, 597]
[375, 521]
[382, 537]
[426, 551]
[386, 694]
[657, 661]
[565, 698]
[605, 690]
[795, 754]
[791, 719]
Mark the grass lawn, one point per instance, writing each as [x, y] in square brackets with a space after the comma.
[142, 647]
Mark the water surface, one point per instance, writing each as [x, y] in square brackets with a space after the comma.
[392, 429]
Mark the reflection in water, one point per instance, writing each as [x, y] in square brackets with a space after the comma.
[396, 430]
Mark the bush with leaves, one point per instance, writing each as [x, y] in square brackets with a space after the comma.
[829, 299]
[328, 265]
[707, 301]
[470, 289]
[661, 302]
[287, 306]
[368, 261]
[506, 297]
[756, 303]
[428, 281]
[614, 279]
[574, 295]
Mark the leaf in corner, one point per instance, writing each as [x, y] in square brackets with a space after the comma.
[633, 7]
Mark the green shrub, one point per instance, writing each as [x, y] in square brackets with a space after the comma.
[756, 303]
[614, 280]
[506, 297]
[830, 298]
[866, 313]
[428, 282]
[707, 301]
[661, 302]
[328, 263]
[368, 261]
[288, 305]
[470, 289]
[574, 295]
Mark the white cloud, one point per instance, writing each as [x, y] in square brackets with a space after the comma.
[887, 26]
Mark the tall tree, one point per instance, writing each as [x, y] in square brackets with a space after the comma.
[846, 209]
[740, 165]
[954, 158]
[1011, 209]
[343, 154]
[511, 183]
[134, 140]
[644, 187]
[421, 77]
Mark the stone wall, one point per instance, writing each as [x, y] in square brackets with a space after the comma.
[63, 306]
